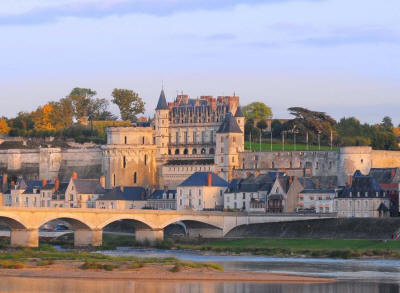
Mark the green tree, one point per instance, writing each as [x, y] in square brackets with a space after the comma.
[129, 103]
[81, 99]
[387, 123]
[257, 110]
[62, 114]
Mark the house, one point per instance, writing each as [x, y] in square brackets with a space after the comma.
[162, 200]
[201, 191]
[363, 197]
[122, 198]
[277, 198]
[83, 193]
[249, 194]
[389, 180]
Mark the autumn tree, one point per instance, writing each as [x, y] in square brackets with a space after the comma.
[81, 99]
[129, 103]
[4, 128]
[42, 118]
[256, 111]
[62, 115]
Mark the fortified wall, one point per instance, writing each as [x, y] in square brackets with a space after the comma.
[50, 163]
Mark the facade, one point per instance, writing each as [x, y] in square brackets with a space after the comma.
[122, 198]
[83, 193]
[316, 201]
[162, 200]
[186, 136]
[363, 197]
[201, 191]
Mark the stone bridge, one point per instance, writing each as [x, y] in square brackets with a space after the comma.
[88, 224]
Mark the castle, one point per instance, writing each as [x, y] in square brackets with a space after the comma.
[187, 135]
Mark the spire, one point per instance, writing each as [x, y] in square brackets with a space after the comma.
[229, 125]
[162, 102]
[239, 112]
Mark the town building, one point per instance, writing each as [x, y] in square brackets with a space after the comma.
[362, 197]
[83, 193]
[122, 198]
[201, 191]
[162, 200]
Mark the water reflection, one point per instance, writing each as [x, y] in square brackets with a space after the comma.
[19, 285]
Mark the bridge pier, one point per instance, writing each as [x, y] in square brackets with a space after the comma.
[25, 237]
[84, 237]
[149, 235]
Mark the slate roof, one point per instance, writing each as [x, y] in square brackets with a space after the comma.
[229, 125]
[200, 179]
[262, 182]
[88, 186]
[30, 185]
[162, 102]
[318, 184]
[385, 175]
[128, 193]
[158, 194]
[362, 185]
[239, 112]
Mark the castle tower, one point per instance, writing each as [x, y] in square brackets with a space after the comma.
[162, 126]
[240, 118]
[230, 142]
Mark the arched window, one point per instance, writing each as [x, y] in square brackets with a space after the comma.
[203, 150]
[134, 178]
[126, 140]
[211, 151]
[124, 162]
[143, 140]
[114, 181]
[177, 152]
[145, 160]
[194, 151]
[185, 151]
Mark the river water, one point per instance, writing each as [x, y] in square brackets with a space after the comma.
[358, 276]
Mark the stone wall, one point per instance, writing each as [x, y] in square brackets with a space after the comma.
[50, 163]
[381, 159]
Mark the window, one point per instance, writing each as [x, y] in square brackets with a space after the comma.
[234, 139]
[220, 193]
[126, 140]
[114, 180]
[233, 159]
[124, 162]
[134, 178]
[222, 160]
[194, 137]
[199, 202]
[143, 140]
[244, 195]
[145, 160]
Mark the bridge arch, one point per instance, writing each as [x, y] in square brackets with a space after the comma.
[12, 222]
[137, 220]
[76, 222]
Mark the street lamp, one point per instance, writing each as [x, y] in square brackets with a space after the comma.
[319, 140]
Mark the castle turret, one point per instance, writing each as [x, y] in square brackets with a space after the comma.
[162, 126]
[230, 142]
[240, 118]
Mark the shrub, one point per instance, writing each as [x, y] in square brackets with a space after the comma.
[175, 269]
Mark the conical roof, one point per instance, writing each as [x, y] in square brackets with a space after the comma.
[162, 102]
[239, 112]
[229, 125]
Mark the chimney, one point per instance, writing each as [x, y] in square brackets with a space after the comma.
[393, 173]
[290, 180]
[103, 181]
[142, 196]
[5, 182]
[44, 182]
[56, 184]
[74, 176]
[209, 179]
[351, 180]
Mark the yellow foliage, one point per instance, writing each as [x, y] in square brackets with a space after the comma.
[101, 126]
[42, 118]
[396, 131]
[4, 128]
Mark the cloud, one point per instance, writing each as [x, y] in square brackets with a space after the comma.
[47, 12]
[352, 36]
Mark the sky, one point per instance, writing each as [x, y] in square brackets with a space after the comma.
[337, 56]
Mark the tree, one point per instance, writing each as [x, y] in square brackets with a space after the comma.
[81, 99]
[387, 122]
[262, 124]
[42, 118]
[62, 114]
[276, 127]
[4, 128]
[129, 103]
[311, 122]
[257, 110]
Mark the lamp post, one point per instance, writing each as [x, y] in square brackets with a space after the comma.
[319, 140]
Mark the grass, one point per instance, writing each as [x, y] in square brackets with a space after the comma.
[46, 255]
[276, 147]
[334, 248]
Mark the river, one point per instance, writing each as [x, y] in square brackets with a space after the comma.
[363, 276]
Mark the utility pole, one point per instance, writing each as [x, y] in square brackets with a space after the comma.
[283, 140]
[307, 140]
[331, 139]
[319, 141]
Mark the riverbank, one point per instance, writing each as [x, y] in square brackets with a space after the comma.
[46, 262]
